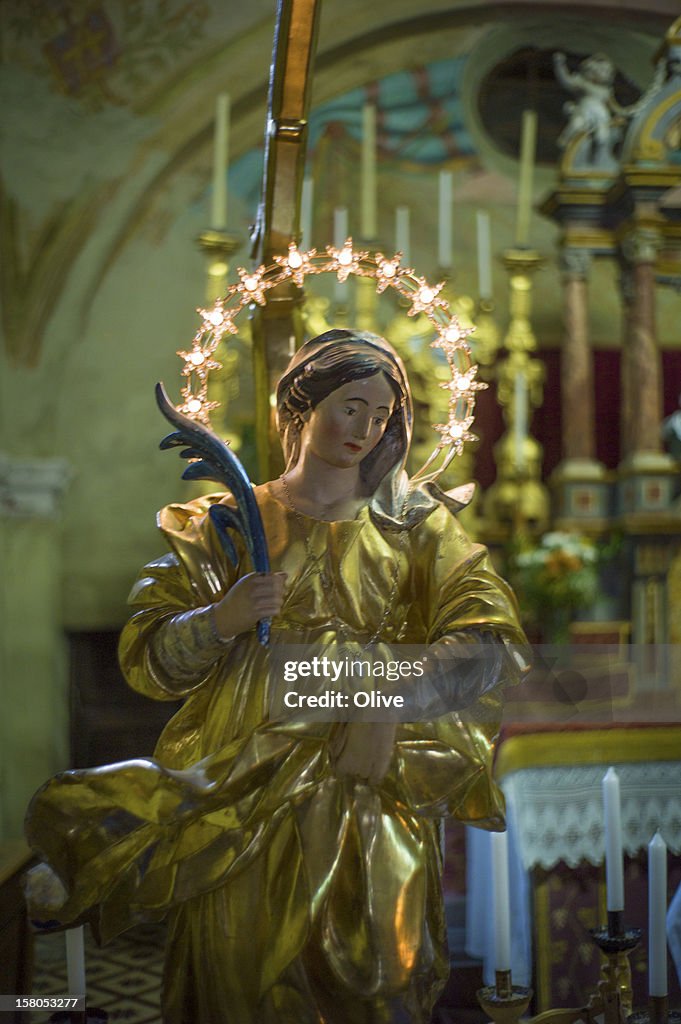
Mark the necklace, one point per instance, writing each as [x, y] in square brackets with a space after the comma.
[327, 583]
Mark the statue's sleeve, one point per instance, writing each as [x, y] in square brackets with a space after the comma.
[444, 765]
[170, 646]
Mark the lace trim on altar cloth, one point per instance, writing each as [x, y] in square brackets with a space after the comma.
[557, 813]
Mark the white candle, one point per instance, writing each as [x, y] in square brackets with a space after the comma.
[520, 417]
[402, 233]
[218, 217]
[614, 867]
[657, 916]
[306, 201]
[445, 249]
[528, 145]
[340, 234]
[484, 255]
[75, 961]
[368, 173]
[502, 910]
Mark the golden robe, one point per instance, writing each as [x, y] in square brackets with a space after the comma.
[294, 895]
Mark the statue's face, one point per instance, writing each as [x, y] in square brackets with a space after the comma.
[350, 422]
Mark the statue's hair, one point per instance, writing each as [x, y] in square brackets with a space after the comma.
[323, 365]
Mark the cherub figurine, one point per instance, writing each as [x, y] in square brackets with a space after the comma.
[595, 112]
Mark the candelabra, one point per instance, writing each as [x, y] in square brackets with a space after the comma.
[518, 500]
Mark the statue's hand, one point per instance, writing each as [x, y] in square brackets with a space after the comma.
[363, 750]
[257, 596]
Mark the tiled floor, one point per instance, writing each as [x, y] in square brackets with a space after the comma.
[123, 978]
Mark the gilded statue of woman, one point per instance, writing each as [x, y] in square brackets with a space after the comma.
[298, 862]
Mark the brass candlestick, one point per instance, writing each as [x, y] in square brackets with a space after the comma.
[504, 1002]
[518, 501]
[614, 994]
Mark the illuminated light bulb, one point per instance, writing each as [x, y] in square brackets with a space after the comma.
[197, 358]
[345, 257]
[194, 405]
[389, 269]
[295, 260]
[250, 283]
[426, 295]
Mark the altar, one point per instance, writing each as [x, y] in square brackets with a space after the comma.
[551, 778]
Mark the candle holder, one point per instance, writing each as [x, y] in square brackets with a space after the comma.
[504, 1002]
[217, 246]
[614, 994]
[657, 1012]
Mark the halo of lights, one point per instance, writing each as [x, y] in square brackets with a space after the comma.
[388, 272]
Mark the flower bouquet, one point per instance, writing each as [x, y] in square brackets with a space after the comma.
[553, 580]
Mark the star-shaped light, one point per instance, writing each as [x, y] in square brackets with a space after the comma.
[387, 270]
[218, 320]
[463, 383]
[252, 286]
[452, 337]
[296, 263]
[196, 404]
[455, 433]
[345, 261]
[425, 299]
[199, 361]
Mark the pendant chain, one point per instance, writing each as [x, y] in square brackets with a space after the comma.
[327, 584]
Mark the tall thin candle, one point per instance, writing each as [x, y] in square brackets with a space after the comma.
[75, 961]
[218, 217]
[402, 233]
[528, 145]
[340, 233]
[657, 916]
[502, 910]
[306, 206]
[445, 245]
[484, 255]
[368, 173]
[614, 867]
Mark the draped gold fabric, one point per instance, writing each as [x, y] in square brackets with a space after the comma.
[293, 895]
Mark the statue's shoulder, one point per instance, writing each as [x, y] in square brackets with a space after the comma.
[187, 517]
